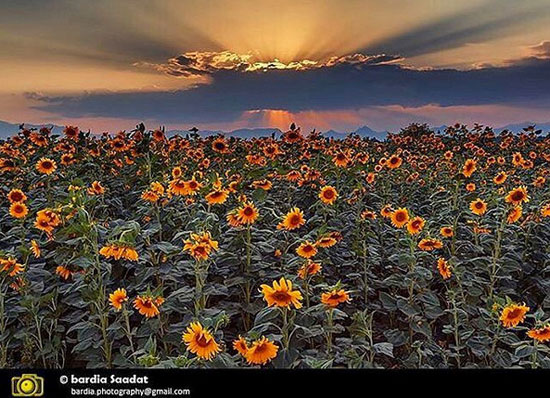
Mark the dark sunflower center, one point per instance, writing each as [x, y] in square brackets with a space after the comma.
[202, 340]
[147, 304]
[281, 296]
[518, 195]
[261, 348]
[400, 216]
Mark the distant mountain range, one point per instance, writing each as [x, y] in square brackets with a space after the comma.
[8, 129]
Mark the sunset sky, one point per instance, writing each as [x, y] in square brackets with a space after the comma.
[226, 64]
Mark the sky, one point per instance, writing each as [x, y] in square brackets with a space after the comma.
[226, 64]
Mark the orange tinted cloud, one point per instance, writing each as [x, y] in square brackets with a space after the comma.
[200, 63]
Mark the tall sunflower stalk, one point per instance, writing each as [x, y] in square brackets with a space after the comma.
[3, 323]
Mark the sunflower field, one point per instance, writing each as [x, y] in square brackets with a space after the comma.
[425, 250]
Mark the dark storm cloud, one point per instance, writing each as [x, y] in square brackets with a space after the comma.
[493, 19]
[344, 86]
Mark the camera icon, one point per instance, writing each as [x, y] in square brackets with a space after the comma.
[27, 385]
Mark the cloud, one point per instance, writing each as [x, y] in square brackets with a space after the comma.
[492, 19]
[541, 50]
[202, 63]
[344, 85]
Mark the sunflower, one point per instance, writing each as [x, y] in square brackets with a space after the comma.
[306, 249]
[444, 268]
[199, 251]
[328, 195]
[96, 189]
[429, 244]
[469, 167]
[11, 266]
[513, 314]
[517, 196]
[219, 145]
[118, 298]
[514, 214]
[400, 217]
[35, 249]
[293, 219]
[478, 206]
[470, 187]
[193, 186]
[292, 136]
[233, 219]
[541, 334]
[176, 172]
[500, 178]
[118, 251]
[67, 159]
[394, 162]
[47, 220]
[147, 305]
[71, 132]
[16, 195]
[63, 272]
[19, 210]
[150, 196]
[262, 184]
[178, 187]
[308, 269]
[335, 297]
[386, 211]
[517, 159]
[200, 341]
[341, 159]
[415, 225]
[368, 215]
[240, 345]
[247, 213]
[158, 135]
[46, 166]
[157, 188]
[217, 196]
[261, 351]
[446, 232]
[43, 224]
[326, 241]
[539, 181]
[281, 294]
[545, 210]
[370, 178]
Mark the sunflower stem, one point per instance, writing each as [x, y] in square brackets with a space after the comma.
[330, 323]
